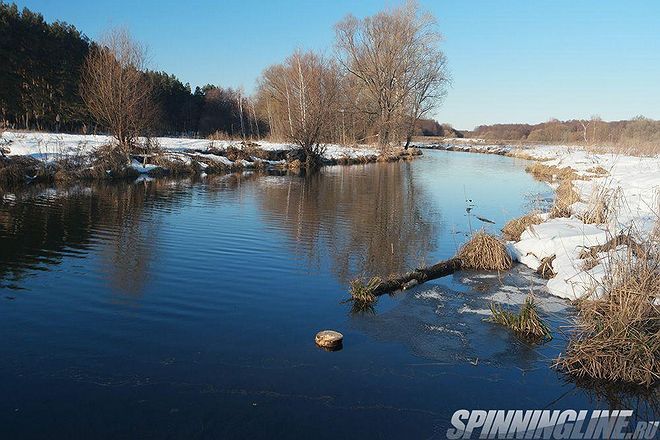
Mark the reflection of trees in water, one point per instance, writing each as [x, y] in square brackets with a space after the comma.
[368, 219]
[41, 225]
[365, 219]
[131, 247]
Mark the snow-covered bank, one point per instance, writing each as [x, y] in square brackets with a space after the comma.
[47, 146]
[632, 185]
[34, 156]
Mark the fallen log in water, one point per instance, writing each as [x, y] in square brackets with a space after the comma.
[417, 276]
[481, 252]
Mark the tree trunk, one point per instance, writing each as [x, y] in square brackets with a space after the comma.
[419, 276]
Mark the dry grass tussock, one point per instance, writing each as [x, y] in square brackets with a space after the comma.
[362, 292]
[617, 335]
[545, 269]
[598, 170]
[514, 228]
[398, 153]
[484, 252]
[551, 173]
[526, 323]
[565, 196]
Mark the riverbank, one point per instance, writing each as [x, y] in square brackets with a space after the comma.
[29, 156]
[603, 195]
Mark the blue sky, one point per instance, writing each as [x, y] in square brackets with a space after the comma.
[511, 61]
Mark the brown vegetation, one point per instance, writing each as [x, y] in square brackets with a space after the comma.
[598, 207]
[550, 173]
[484, 252]
[639, 135]
[17, 169]
[514, 228]
[398, 70]
[565, 196]
[115, 90]
[545, 269]
[617, 335]
[302, 95]
[390, 73]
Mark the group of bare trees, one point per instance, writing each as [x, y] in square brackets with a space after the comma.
[301, 96]
[388, 72]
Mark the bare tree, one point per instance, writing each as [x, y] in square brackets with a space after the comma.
[301, 95]
[395, 55]
[115, 90]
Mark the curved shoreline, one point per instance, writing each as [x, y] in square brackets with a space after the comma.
[631, 184]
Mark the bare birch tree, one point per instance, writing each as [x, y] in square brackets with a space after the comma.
[115, 89]
[395, 55]
[301, 95]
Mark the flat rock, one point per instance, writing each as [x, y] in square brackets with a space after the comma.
[329, 339]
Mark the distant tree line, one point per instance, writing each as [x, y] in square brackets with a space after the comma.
[638, 132]
[41, 66]
[430, 127]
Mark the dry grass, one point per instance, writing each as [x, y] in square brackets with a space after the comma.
[599, 206]
[545, 269]
[551, 173]
[514, 228]
[363, 292]
[526, 323]
[617, 336]
[565, 196]
[589, 263]
[18, 169]
[484, 252]
[598, 170]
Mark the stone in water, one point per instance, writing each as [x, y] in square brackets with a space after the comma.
[329, 339]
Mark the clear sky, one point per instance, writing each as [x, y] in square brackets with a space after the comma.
[511, 60]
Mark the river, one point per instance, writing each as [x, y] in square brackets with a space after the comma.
[188, 309]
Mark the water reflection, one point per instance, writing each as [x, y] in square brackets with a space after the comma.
[366, 220]
[369, 220]
[40, 226]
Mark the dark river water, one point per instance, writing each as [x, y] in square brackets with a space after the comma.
[180, 309]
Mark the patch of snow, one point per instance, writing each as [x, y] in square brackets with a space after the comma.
[142, 168]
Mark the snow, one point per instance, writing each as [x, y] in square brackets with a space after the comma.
[337, 152]
[141, 168]
[634, 183]
[47, 146]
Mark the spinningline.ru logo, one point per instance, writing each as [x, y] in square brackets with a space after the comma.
[549, 424]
